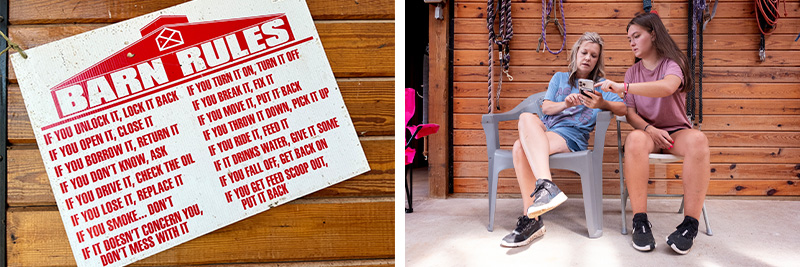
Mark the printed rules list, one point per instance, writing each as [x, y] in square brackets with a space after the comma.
[196, 119]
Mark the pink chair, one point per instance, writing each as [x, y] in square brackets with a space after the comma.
[417, 132]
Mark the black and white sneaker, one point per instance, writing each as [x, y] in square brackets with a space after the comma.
[682, 239]
[527, 230]
[642, 236]
[546, 197]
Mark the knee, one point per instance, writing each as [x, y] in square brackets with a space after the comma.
[516, 152]
[517, 148]
[697, 142]
[636, 142]
[528, 120]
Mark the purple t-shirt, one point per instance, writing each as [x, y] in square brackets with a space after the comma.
[666, 113]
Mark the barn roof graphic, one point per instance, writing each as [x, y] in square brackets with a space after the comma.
[166, 34]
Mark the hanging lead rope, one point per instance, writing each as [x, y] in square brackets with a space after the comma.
[689, 52]
[698, 14]
[700, 80]
[547, 7]
[506, 32]
[698, 7]
[767, 17]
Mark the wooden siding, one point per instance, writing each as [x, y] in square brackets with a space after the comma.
[751, 108]
[349, 224]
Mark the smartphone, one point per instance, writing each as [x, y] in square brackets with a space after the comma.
[585, 86]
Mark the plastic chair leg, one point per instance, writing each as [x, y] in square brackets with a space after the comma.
[492, 197]
[592, 203]
[624, 199]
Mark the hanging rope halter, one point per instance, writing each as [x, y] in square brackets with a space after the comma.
[767, 17]
[547, 7]
[502, 40]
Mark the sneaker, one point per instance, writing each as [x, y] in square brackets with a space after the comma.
[527, 230]
[682, 239]
[642, 236]
[546, 197]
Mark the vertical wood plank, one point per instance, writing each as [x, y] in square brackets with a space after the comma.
[439, 93]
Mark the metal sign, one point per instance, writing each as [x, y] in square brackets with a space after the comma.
[168, 126]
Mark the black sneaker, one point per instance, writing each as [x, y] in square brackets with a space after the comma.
[682, 239]
[527, 230]
[546, 197]
[642, 236]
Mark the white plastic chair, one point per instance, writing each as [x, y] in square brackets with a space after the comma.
[588, 163]
[655, 158]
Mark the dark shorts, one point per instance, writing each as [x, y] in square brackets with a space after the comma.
[669, 132]
[675, 131]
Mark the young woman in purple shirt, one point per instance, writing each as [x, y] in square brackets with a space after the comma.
[655, 94]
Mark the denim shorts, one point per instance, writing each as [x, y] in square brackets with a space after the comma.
[576, 141]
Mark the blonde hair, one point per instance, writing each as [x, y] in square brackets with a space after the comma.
[599, 68]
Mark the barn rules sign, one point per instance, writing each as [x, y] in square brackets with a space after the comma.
[168, 126]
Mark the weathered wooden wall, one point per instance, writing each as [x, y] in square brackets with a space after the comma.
[348, 224]
[752, 109]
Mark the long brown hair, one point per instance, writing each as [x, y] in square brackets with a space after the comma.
[599, 68]
[665, 46]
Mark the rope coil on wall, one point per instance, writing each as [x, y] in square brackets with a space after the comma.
[767, 18]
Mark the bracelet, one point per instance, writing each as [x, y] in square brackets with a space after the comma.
[626, 87]
[645, 127]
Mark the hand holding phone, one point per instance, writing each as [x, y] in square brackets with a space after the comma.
[586, 86]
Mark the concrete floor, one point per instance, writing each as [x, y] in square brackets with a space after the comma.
[452, 232]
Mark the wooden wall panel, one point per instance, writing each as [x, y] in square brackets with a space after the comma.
[618, 41]
[729, 90]
[370, 113]
[577, 10]
[348, 45]
[623, 58]
[617, 26]
[718, 171]
[789, 123]
[105, 11]
[340, 229]
[727, 155]
[751, 108]
[350, 223]
[673, 186]
[28, 184]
